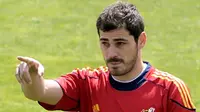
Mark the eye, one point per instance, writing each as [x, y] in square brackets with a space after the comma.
[105, 44]
[119, 44]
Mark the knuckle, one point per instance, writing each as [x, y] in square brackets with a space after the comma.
[21, 75]
[17, 71]
[18, 79]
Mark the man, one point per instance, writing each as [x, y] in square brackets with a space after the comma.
[127, 84]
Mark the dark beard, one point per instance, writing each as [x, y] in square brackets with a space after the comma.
[128, 67]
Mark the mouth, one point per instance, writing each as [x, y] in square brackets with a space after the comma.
[115, 63]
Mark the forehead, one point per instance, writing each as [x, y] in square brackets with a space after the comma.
[117, 33]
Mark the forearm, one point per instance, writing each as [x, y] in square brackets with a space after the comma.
[46, 91]
[29, 74]
[35, 90]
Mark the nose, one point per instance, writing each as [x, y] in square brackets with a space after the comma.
[112, 52]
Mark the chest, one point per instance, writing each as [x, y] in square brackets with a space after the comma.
[143, 99]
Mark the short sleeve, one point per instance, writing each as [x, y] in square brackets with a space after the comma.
[70, 99]
[179, 99]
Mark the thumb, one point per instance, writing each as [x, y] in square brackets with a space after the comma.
[41, 70]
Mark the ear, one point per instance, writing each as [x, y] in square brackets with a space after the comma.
[142, 40]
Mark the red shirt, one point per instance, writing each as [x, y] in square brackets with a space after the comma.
[88, 90]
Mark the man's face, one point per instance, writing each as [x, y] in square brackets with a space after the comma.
[120, 51]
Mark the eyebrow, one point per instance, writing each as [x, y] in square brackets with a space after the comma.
[117, 39]
[120, 39]
[103, 39]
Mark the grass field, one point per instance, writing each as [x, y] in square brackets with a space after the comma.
[61, 34]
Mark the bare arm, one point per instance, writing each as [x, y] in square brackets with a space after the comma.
[30, 75]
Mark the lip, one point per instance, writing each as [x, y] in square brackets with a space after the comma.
[115, 63]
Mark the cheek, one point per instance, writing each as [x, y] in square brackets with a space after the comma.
[129, 53]
[103, 52]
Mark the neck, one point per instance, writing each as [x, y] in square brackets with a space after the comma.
[137, 69]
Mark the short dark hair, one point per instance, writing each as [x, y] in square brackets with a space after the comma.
[121, 15]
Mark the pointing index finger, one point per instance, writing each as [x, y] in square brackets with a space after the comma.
[24, 59]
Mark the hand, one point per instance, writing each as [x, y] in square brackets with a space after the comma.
[27, 68]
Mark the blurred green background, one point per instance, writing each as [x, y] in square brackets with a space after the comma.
[61, 34]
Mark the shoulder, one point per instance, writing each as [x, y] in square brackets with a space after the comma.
[165, 79]
[85, 74]
[88, 72]
[176, 88]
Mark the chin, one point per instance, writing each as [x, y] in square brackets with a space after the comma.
[116, 72]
